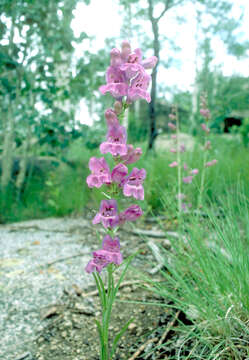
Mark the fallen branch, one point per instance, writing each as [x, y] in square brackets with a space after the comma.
[142, 347]
[153, 234]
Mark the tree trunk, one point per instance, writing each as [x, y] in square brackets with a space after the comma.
[152, 105]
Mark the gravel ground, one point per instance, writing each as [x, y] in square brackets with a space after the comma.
[28, 280]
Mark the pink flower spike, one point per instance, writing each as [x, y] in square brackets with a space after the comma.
[115, 142]
[108, 214]
[187, 179]
[118, 173]
[207, 145]
[112, 247]
[211, 163]
[132, 185]
[182, 148]
[111, 118]
[171, 126]
[172, 150]
[205, 113]
[100, 173]
[132, 155]
[205, 128]
[194, 171]
[173, 164]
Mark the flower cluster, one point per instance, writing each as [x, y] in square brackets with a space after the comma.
[126, 75]
[127, 81]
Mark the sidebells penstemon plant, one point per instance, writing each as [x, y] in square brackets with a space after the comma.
[127, 81]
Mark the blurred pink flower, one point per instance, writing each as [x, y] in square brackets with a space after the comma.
[173, 164]
[187, 179]
[205, 128]
[211, 163]
[171, 126]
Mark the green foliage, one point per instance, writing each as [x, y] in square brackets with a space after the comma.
[206, 278]
[244, 131]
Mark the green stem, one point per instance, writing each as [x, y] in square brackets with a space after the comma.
[178, 165]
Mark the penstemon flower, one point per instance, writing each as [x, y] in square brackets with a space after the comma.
[127, 81]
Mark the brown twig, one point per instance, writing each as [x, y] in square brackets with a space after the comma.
[66, 258]
[142, 347]
[168, 328]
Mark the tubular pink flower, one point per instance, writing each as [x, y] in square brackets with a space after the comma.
[99, 261]
[174, 137]
[100, 173]
[173, 164]
[108, 214]
[119, 173]
[205, 128]
[205, 113]
[211, 163]
[187, 179]
[132, 155]
[138, 87]
[115, 142]
[111, 118]
[171, 126]
[172, 116]
[173, 150]
[181, 196]
[132, 185]
[130, 214]
[112, 247]
[185, 166]
[194, 171]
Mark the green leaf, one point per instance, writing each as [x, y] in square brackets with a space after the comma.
[119, 335]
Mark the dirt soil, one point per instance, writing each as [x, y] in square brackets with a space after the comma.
[48, 302]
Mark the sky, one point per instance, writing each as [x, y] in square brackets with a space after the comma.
[102, 19]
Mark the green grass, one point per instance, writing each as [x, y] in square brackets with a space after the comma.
[207, 277]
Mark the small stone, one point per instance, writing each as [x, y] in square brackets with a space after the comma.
[132, 327]
[64, 334]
